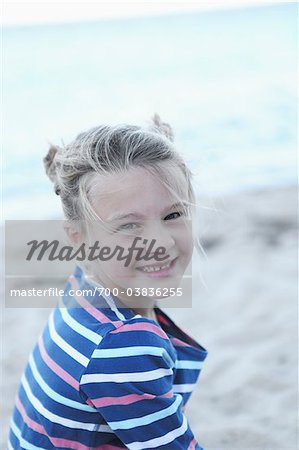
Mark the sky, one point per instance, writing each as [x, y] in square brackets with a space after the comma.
[42, 12]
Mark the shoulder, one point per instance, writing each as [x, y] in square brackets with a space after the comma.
[137, 336]
[140, 327]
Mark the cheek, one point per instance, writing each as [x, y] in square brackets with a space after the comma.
[116, 266]
[120, 274]
[185, 239]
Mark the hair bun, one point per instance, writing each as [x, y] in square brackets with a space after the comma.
[164, 127]
[49, 163]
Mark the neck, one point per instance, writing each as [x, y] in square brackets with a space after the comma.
[147, 312]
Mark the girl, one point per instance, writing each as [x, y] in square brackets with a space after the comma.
[111, 370]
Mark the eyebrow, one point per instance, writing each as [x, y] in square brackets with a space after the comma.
[140, 216]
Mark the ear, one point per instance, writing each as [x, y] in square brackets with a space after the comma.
[74, 235]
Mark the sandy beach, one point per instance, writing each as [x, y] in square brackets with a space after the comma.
[244, 312]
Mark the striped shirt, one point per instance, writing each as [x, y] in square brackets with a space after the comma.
[104, 377]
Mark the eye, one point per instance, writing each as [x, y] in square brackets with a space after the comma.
[174, 215]
[128, 226]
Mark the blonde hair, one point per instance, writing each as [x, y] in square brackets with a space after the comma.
[113, 149]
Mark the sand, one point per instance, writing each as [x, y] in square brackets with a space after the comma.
[244, 312]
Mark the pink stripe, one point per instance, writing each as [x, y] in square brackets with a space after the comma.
[141, 327]
[58, 442]
[31, 423]
[162, 319]
[192, 444]
[126, 399]
[89, 307]
[89, 402]
[179, 343]
[67, 443]
[55, 367]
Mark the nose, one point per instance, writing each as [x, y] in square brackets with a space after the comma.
[156, 235]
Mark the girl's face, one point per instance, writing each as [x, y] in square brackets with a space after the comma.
[134, 205]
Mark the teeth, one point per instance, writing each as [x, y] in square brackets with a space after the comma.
[155, 269]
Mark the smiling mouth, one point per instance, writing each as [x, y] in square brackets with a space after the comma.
[157, 267]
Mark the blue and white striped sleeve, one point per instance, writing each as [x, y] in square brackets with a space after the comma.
[129, 380]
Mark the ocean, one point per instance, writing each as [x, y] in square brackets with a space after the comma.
[225, 81]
